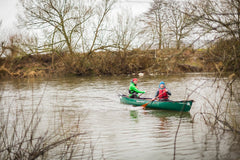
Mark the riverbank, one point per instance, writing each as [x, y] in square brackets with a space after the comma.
[151, 62]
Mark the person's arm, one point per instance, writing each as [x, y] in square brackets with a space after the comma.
[168, 92]
[136, 90]
[157, 93]
[155, 96]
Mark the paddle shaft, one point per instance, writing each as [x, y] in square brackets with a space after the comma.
[140, 94]
[144, 105]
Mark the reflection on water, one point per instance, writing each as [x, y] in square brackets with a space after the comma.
[163, 113]
[134, 114]
[120, 131]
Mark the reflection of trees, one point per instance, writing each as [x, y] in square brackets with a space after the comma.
[24, 135]
[134, 114]
[164, 117]
[213, 144]
[165, 113]
[163, 124]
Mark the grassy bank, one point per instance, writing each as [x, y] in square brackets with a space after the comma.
[106, 63]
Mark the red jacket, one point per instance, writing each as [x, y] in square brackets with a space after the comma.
[162, 94]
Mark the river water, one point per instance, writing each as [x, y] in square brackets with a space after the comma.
[123, 132]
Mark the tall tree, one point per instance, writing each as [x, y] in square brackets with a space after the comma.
[218, 16]
[71, 23]
[125, 31]
[156, 21]
[58, 16]
[179, 23]
[102, 12]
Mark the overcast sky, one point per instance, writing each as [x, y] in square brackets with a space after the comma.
[8, 12]
[8, 9]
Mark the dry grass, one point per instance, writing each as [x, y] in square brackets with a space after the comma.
[225, 55]
[105, 63]
[24, 136]
[108, 63]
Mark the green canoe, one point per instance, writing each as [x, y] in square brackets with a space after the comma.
[166, 105]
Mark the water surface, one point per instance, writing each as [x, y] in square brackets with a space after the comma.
[122, 132]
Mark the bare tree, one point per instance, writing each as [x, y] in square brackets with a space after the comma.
[179, 23]
[217, 16]
[19, 45]
[156, 20]
[104, 9]
[59, 16]
[23, 135]
[221, 18]
[71, 23]
[168, 22]
[125, 31]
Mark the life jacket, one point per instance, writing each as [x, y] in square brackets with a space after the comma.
[163, 94]
[132, 91]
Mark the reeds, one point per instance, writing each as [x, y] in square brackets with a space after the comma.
[222, 113]
[23, 134]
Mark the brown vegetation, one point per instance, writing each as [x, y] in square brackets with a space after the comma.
[107, 47]
[23, 134]
[26, 66]
[225, 55]
[104, 63]
[75, 27]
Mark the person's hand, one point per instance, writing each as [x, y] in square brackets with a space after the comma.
[153, 99]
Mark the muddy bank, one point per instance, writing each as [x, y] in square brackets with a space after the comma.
[105, 63]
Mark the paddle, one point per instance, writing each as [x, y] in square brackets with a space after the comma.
[140, 94]
[144, 105]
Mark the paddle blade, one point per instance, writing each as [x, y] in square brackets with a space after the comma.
[144, 105]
